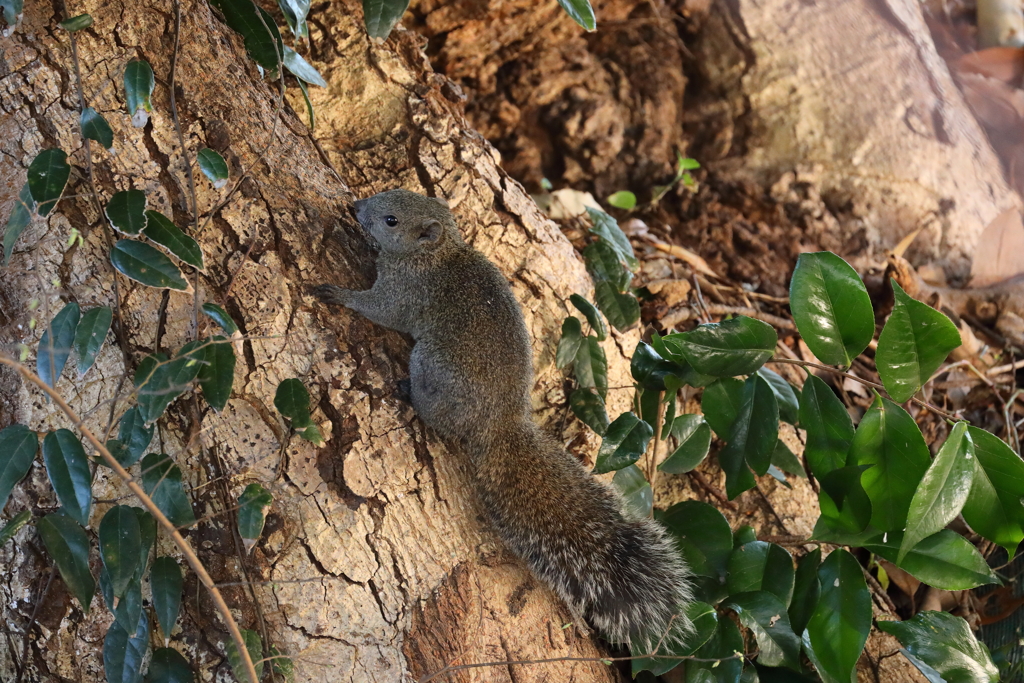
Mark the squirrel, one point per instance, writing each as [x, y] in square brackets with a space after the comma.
[471, 372]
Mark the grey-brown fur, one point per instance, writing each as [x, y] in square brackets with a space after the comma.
[471, 373]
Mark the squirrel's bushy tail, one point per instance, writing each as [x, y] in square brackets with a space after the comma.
[625, 575]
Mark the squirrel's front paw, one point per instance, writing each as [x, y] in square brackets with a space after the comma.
[330, 294]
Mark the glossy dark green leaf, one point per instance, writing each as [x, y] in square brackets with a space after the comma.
[761, 566]
[129, 607]
[621, 308]
[257, 28]
[382, 15]
[68, 545]
[47, 176]
[146, 265]
[947, 644]
[221, 317]
[943, 490]
[704, 537]
[623, 199]
[721, 405]
[723, 645]
[785, 394]
[14, 526]
[212, 164]
[95, 127]
[123, 656]
[831, 307]
[733, 347]
[839, 627]
[591, 366]
[569, 344]
[292, 401]
[147, 535]
[218, 374]
[76, 23]
[254, 646]
[993, 508]
[295, 12]
[90, 335]
[756, 429]
[134, 434]
[283, 667]
[120, 545]
[623, 444]
[309, 104]
[786, 460]
[583, 14]
[765, 615]
[704, 619]
[67, 466]
[161, 230]
[914, 342]
[138, 88]
[693, 436]
[592, 315]
[945, 560]
[650, 370]
[167, 581]
[253, 506]
[126, 211]
[161, 479]
[844, 503]
[56, 343]
[18, 447]
[604, 265]
[635, 490]
[890, 441]
[743, 535]
[158, 381]
[607, 228]
[806, 591]
[589, 408]
[738, 477]
[302, 69]
[21, 215]
[829, 427]
[168, 666]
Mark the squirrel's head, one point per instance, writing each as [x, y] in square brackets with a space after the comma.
[405, 223]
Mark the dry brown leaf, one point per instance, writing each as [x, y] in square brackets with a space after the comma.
[694, 261]
[1005, 64]
[901, 248]
[903, 580]
[674, 292]
[1000, 251]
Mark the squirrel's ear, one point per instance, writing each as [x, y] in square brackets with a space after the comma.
[430, 232]
[441, 200]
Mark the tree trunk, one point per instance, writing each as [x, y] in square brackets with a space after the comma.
[374, 564]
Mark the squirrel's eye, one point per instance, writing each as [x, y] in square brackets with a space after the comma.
[391, 221]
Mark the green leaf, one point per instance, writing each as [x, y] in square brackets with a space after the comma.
[253, 506]
[312, 434]
[21, 216]
[763, 566]
[607, 228]
[12, 11]
[721, 405]
[621, 309]
[806, 591]
[95, 127]
[993, 508]
[726, 642]
[583, 14]
[292, 401]
[135, 434]
[120, 544]
[756, 429]
[839, 627]
[18, 446]
[635, 490]
[381, 16]
[693, 435]
[123, 655]
[831, 308]
[945, 560]
[129, 607]
[168, 666]
[889, 440]
[784, 459]
[147, 532]
[126, 211]
[569, 344]
[254, 645]
[686, 163]
[738, 477]
[161, 479]
[55, 344]
[704, 619]
[76, 23]
[212, 164]
[165, 233]
[166, 581]
[604, 265]
[789, 402]
[844, 503]
[649, 369]
[829, 427]
[591, 366]
[68, 469]
[257, 28]
[765, 615]
[590, 313]
[146, 265]
[218, 374]
[623, 199]
[14, 526]
[743, 535]
[282, 666]
[943, 490]
[704, 536]
[158, 381]
[945, 643]
[295, 12]
[221, 317]
[90, 335]
[588, 407]
[138, 88]
[624, 442]
[68, 545]
[47, 175]
[302, 69]
[913, 344]
[734, 347]
[309, 104]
